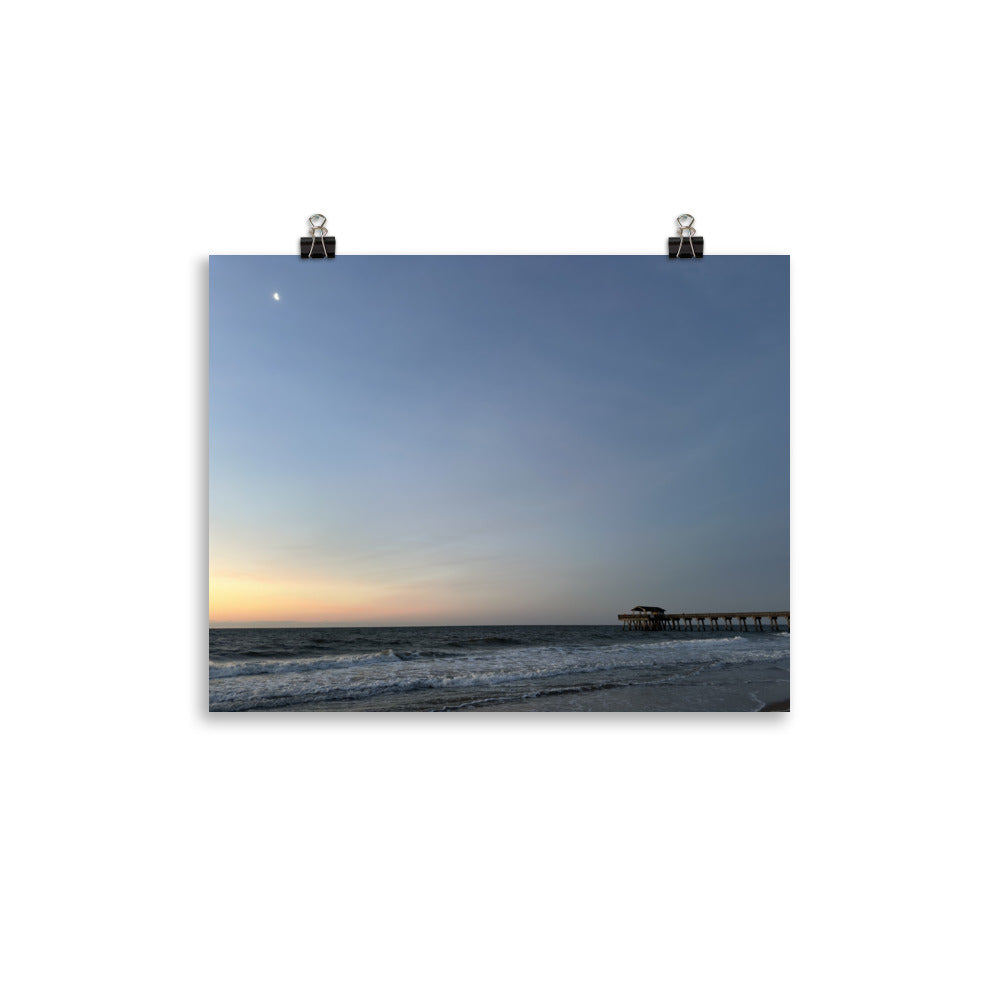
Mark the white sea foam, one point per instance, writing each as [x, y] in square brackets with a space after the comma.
[241, 668]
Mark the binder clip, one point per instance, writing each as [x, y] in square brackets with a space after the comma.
[327, 245]
[685, 232]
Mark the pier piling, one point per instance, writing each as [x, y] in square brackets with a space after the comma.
[658, 620]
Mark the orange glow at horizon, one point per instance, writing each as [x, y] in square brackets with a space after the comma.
[236, 598]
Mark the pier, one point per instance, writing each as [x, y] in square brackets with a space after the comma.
[650, 619]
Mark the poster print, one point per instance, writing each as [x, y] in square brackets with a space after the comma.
[499, 483]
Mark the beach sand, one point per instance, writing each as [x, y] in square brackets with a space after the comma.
[778, 706]
[773, 697]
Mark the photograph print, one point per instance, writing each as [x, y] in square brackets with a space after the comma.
[499, 484]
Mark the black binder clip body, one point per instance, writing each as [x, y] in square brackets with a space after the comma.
[695, 245]
[318, 243]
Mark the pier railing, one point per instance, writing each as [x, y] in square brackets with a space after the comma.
[713, 621]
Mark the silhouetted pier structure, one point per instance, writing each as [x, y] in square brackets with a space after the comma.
[650, 619]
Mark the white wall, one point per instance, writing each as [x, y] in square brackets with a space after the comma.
[155, 851]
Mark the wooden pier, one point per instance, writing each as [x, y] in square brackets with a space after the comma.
[647, 619]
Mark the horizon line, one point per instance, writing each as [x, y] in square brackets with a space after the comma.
[300, 624]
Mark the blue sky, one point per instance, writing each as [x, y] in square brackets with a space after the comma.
[496, 440]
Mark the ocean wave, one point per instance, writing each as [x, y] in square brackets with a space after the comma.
[487, 640]
[251, 668]
[354, 677]
[582, 687]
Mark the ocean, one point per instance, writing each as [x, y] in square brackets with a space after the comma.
[509, 668]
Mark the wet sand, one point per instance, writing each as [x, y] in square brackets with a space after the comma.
[778, 706]
[656, 698]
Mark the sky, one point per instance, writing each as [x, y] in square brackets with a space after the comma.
[487, 440]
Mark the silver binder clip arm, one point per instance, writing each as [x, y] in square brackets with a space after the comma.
[317, 226]
[685, 229]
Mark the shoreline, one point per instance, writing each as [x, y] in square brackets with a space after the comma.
[660, 698]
